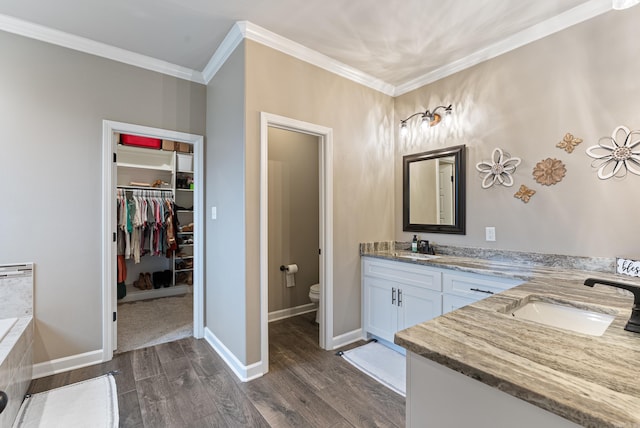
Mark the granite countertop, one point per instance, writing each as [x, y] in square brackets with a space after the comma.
[587, 379]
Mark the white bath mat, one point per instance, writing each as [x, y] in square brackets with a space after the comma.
[91, 403]
[381, 363]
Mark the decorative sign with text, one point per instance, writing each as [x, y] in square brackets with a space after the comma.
[628, 267]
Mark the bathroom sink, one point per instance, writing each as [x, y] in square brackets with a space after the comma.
[564, 317]
[416, 256]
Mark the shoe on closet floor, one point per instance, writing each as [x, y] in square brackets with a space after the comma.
[140, 282]
[147, 279]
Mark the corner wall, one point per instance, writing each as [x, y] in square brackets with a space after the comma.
[583, 80]
[362, 123]
[226, 237]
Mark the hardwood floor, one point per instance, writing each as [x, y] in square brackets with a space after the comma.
[186, 384]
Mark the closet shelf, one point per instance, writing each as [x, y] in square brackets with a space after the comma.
[162, 189]
[185, 190]
[185, 233]
[164, 168]
[183, 257]
[184, 270]
[184, 211]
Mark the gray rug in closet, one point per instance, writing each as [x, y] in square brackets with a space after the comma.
[150, 322]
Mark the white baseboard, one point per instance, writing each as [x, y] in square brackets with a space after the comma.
[66, 364]
[292, 312]
[244, 373]
[347, 338]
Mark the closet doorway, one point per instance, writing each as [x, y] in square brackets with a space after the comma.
[168, 177]
[324, 137]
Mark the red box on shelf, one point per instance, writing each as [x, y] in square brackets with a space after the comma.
[138, 141]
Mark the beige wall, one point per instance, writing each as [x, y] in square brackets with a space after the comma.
[52, 104]
[362, 122]
[584, 80]
[294, 218]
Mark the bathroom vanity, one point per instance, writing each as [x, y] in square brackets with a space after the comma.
[398, 294]
[506, 371]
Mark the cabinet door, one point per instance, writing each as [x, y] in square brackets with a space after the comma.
[451, 302]
[416, 305]
[380, 311]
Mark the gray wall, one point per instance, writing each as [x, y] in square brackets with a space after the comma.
[583, 80]
[293, 216]
[226, 237]
[52, 103]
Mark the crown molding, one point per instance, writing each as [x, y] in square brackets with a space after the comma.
[231, 41]
[81, 44]
[247, 30]
[553, 25]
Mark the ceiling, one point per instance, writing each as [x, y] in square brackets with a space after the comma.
[393, 41]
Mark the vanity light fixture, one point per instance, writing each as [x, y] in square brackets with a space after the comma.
[623, 4]
[429, 118]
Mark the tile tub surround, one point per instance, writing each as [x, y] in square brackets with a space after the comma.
[588, 380]
[16, 293]
[16, 366]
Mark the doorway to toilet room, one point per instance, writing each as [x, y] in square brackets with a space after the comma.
[294, 223]
[296, 227]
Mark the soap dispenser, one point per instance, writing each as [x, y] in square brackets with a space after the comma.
[414, 244]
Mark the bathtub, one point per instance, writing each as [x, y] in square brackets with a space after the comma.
[5, 326]
[16, 336]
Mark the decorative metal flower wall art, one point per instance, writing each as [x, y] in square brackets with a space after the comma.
[569, 142]
[616, 155]
[549, 171]
[498, 169]
[524, 194]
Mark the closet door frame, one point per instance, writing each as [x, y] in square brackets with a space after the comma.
[109, 274]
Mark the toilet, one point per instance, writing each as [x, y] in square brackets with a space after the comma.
[314, 295]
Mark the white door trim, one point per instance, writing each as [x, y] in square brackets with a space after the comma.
[326, 227]
[109, 224]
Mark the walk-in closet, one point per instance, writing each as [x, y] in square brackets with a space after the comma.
[154, 211]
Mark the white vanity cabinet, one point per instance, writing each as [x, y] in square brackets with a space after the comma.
[460, 288]
[398, 295]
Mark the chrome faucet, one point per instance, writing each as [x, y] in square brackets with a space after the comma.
[634, 321]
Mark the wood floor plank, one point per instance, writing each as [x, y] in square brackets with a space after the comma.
[189, 390]
[158, 406]
[145, 363]
[272, 405]
[310, 405]
[129, 410]
[236, 409]
[169, 351]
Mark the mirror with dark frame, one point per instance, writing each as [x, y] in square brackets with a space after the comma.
[434, 191]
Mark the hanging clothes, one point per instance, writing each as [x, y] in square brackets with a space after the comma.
[146, 224]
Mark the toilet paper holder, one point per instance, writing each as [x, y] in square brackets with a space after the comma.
[284, 268]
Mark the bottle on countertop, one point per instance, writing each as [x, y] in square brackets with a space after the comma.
[414, 244]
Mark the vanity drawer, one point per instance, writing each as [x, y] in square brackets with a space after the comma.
[406, 273]
[474, 286]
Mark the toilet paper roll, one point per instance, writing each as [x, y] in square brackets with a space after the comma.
[291, 279]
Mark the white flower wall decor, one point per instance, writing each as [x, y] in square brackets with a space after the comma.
[616, 155]
[498, 169]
